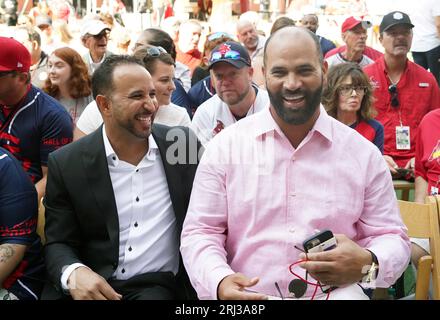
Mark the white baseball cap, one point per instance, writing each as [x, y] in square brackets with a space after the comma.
[93, 27]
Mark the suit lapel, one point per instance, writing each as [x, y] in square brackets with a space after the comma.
[173, 176]
[96, 167]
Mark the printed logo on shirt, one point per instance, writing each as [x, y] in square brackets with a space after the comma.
[219, 127]
[374, 83]
[435, 155]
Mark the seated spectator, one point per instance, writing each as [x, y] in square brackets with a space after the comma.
[187, 44]
[200, 92]
[30, 38]
[354, 34]
[161, 67]
[21, 257]
[311, 22]
[348, 97]
[94, 36]
[404, 93]
[159, 38]
[236, 96]
[212, 40]
[69, 81]
[248, 36]
[371, 53]
[33, 124]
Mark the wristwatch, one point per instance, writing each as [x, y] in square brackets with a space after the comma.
[371, 274]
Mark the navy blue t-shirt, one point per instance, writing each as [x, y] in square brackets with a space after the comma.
[38, 126]
[18, 224]
[200, 92]
[180, 98]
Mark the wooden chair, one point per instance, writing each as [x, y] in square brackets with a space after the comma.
[404, 186]
[41, 221]
[422, 221]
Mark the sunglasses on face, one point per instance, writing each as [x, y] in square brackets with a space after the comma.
[348, 90]
[218, 35]
[233, 55]
[155, 51]
[392, 89]
[101, 35]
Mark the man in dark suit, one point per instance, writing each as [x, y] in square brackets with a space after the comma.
[116, 199]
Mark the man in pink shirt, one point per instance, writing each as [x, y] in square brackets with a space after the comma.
[268, 182]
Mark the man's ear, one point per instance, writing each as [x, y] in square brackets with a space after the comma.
[324, 66]
[103, 104]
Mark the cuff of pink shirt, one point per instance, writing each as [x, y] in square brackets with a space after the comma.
[386, 275]
[216, 277]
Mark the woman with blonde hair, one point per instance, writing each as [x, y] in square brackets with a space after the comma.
[69, 81]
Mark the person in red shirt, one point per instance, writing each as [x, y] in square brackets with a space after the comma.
[187, 44]
[404, 92]
[427, 160]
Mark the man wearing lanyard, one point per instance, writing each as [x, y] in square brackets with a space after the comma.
[32, 124]
[404, 92]
[236, 96]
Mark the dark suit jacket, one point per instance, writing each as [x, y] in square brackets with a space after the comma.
[81, 216]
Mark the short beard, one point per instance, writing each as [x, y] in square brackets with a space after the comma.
[301, 116]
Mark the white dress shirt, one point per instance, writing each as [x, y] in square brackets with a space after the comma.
[148, 240]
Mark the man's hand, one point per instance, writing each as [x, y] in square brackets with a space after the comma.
[84, 284]
[391, 164]
[232, 288]
[410, 165]
[340, 266]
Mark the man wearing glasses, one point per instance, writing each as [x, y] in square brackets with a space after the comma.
[236, 96]
[94, 36]
[404, 92]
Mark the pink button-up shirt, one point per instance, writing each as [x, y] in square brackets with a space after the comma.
[255, 197]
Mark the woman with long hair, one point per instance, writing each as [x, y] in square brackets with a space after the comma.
[69, 81]
[348, 97]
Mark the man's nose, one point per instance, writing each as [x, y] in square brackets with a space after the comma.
[292, 82]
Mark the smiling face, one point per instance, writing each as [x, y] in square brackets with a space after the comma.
[59, 71]
[132, 104]
[294, 78]
[397, 40]
[97, 45]
[163, 82]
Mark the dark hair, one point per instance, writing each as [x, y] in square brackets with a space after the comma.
[102, 79]
[280, 23]
[79, 82]
[335, 76]
[310, 33]
[150, 61]
[160, 38]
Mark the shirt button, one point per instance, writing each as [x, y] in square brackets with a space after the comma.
[135, 224]
[114, 158]
[137, 170]
[123, 270]
[137, 199]
[129, 249]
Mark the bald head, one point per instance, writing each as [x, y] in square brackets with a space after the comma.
[295, 36]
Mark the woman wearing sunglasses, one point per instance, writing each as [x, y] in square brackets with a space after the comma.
[69, 81]
[348, 97]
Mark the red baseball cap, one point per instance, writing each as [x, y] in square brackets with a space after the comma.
[14, 56]
[352, 22]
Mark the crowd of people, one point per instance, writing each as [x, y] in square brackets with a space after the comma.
[192, 166]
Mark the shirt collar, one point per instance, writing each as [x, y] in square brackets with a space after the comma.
[112, 157]
[323, 124]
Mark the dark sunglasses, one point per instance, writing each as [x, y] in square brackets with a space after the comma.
[105, 33]
[155, 51]
[217, 35]
[392, 89]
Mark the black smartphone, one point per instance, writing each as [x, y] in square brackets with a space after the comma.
[322, 241]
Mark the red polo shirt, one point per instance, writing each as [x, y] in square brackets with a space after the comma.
[192, 59]
[418, 94]
[428, 150]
